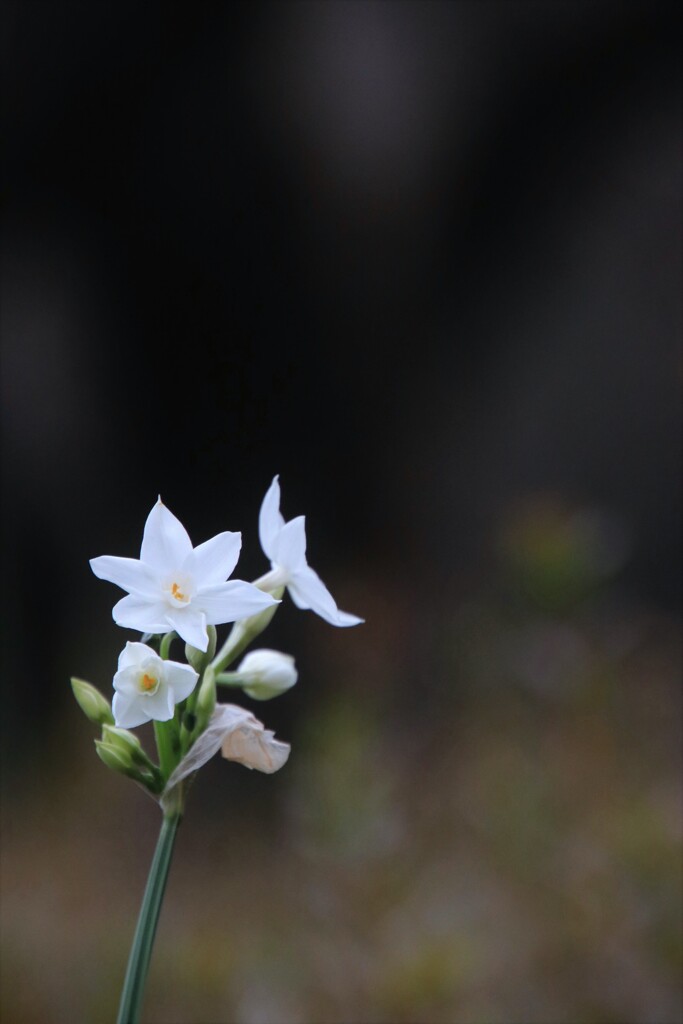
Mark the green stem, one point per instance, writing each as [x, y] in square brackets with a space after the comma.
[238, 639]
[245, 630]
[163, 734]
[141, 950]
[188, 719]
[232, 679]
[165, 645]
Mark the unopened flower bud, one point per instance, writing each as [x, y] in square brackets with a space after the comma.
[116, 758]
[91, 702]
[266, 674]
[126, 742]
[206, 701]
[195, 657]
[198, 659]
[126, 758]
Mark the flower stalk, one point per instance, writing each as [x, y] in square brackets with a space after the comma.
[141, 951]
[163, 734]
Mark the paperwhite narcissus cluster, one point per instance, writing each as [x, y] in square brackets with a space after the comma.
[175, 589]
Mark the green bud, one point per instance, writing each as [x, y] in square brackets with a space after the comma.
[120, 757]
[91, 702]
[127, 743]
[206, 701]
[195, 657]
[116, 758]
[257, 623]
[198, 659]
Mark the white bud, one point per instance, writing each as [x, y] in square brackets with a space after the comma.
[265, 674]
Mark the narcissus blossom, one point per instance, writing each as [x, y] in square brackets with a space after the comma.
[285, 545]
[148, 687]
[173, 586]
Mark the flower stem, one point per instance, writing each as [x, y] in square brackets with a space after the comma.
[163, 734]
[165, 645]
[141, 950]
[245, 630]
[232, 679]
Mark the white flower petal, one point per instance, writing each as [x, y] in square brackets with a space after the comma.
[289, 547]
[347, 619]
[125, 682]
[160, 705]
[128, 712]
[181, 679]
[214, 560]
[190, 624]
[270, 520]
[135, 612]
[307, 590]
[134, 653]
[128, 573]
[165, 543]
[228, 602]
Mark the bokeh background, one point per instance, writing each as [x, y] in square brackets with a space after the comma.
[423, 260]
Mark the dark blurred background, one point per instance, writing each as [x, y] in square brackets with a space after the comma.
[423, 260]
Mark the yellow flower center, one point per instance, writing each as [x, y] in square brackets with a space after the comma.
[178, 589]
[148, 683]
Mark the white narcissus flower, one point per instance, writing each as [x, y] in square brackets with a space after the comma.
[267, 673]
[173, 586]
[285, 545]
[148, 687]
